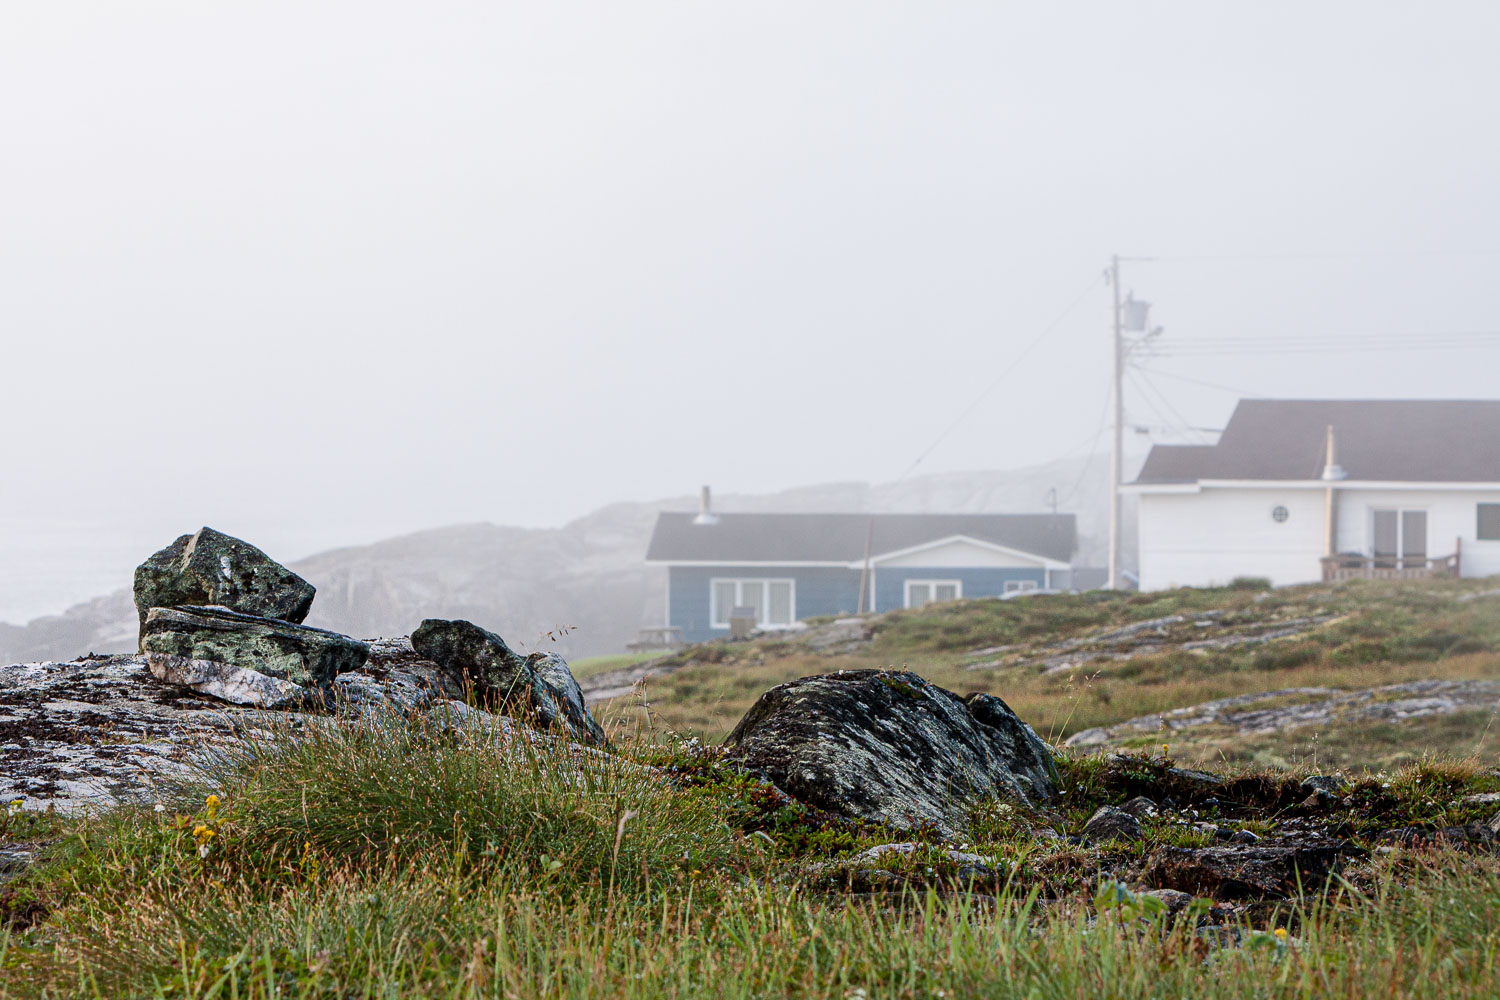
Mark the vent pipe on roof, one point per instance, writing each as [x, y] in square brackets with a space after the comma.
[1332, 470]
[706, 514]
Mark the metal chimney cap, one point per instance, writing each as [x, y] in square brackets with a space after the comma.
[706, 514]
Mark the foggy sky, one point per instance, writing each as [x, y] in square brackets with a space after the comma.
[321, 272]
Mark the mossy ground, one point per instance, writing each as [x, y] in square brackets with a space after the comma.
[398, 862]
[1363, 634]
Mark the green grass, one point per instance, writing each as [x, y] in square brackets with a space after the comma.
[1376, 632]
[591, 665]
[395, 861]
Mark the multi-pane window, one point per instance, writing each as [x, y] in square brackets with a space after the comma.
[1399, 538]
[773, 602]
[1489, 522]
[923, 592]
[1019, 586]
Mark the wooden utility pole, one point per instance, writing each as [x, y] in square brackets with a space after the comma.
[1115, 457]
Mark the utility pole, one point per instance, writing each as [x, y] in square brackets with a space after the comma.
[1118, 384]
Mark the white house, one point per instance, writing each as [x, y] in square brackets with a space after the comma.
[1304, 490]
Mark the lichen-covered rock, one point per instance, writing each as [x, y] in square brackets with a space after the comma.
[890, 747]
[1110, 823]
[1243, 872]
[212, 568]
[82, 736]
[539, 687]
[244, 659]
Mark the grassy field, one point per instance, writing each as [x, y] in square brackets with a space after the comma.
[392, 860]
[1360, 635]
[591, 665]
[397, 862]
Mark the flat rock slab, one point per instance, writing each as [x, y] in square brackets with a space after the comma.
[209, 567]
[88, 733]
[1235, 872]
[540, 687]
[244, 659]
[890, 747]
[82, 736]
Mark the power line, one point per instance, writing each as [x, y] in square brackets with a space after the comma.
[1365, 343]
[1015, 363]
[1198, 381]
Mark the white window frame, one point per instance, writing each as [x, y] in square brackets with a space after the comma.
[957, 585]
[719, 617]
[1021, 586]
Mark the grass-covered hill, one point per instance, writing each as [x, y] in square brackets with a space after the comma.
[1369, 673]
[389, 855]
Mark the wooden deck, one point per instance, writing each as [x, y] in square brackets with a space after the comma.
[1359, 567]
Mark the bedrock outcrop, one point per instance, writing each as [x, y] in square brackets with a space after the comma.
[244, 659]
[209, 567]
[890, 747]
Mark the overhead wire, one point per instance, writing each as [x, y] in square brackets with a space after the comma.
[999, 379]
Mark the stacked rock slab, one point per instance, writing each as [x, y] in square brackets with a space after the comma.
[245, 659]
[539, 687]
[890, 747]
[209, 567]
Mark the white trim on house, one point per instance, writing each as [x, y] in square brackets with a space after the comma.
[1042, 561]
[714, 621]
[932, 585]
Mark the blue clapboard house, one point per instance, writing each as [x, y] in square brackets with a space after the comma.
[789, 567]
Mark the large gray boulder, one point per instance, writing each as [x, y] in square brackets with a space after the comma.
[890, 747]
[245, 659]
[212, 568]
[540, 688]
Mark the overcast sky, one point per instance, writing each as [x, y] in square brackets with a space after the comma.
[322, 272]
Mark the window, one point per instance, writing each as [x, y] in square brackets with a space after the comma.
[1489, 522]
[920, 593]
[1019, 586]
[773, 601]
[1399, 538]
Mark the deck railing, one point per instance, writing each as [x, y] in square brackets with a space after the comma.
[1352, 566]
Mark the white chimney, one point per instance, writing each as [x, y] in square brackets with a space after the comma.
[1332, 470]
[706, 514]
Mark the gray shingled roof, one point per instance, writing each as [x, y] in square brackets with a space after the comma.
[841, 537]
[1455, 441]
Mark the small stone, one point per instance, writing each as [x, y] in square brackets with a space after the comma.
[1332, 784]
[1140, 807]
[1109, 823]
[1482, 799]
[1175, 901]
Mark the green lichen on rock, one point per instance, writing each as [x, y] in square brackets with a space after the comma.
[243, 658]
[209, 567]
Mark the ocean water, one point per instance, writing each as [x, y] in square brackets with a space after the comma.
[45, 577]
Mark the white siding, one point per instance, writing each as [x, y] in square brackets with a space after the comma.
[1451, 516]
[1207, 539]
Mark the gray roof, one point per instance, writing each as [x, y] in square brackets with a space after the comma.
[841, 537]
[1417, 440]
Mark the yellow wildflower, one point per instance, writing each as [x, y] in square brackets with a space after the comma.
[213, 806]
[1281, 933]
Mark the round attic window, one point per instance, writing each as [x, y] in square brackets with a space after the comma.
[1279, 514]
